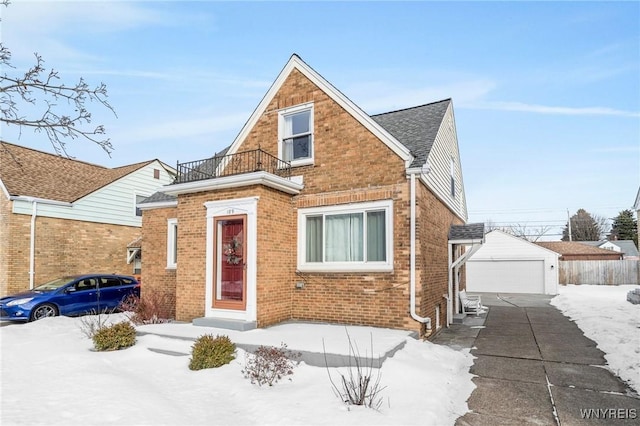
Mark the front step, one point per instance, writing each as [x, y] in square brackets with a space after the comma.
[226, 324]
[458, 318]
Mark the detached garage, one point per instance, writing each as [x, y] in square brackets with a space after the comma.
[508, 264]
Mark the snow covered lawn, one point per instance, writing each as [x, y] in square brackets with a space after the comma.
[605, 316]
[49, 375]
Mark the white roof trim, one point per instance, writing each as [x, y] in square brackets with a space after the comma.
[4, 190]
[235, 181]
[157, 205]
[29, 199]
[296, 63]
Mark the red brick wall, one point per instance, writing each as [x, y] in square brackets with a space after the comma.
[371, 298]
[8, 251]
[433, 220]
[155, 275]
[276, 257]
[62, 247]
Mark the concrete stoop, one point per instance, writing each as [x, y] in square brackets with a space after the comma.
[225, 324]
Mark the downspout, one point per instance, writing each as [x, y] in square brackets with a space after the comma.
[412, 257]
[32, 244]
[449, 285]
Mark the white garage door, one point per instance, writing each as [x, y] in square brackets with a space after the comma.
[506, 276]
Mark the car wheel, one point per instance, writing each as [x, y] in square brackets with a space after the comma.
[42, 311]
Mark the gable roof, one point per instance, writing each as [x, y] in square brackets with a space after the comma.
[296, 63]
[575, 248]
[416, 128]
[27, 172]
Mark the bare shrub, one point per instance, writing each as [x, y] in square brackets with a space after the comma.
[269, 364]
[153, 307]
[361, 383]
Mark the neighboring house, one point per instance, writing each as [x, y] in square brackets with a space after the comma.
[627, 248]
[317, 212]
[61, 216]
[574, 250]
[508, 264]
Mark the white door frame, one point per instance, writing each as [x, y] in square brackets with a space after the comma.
[247, 206]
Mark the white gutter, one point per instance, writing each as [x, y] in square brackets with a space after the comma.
[412, 270]
[32, 237]
[32, 244]
[39, 200]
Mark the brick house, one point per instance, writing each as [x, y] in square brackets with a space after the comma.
[60, 216]
[316, 212]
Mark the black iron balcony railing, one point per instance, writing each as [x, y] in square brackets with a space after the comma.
[234, 164]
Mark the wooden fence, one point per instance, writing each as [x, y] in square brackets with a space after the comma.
[599, 272]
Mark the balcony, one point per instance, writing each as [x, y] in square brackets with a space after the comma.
[218, 166]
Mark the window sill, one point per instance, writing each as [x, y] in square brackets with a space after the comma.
[342, 268]
[171, 267]
[303, 162]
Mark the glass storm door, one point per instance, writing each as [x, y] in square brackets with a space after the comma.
[230, 288]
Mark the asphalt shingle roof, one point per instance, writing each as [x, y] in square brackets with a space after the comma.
[470, 231]
[31, 173]
[573, 248]
[416, 128]
[159, 197]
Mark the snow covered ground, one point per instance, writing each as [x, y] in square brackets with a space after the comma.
[605, 316]
[49, 374]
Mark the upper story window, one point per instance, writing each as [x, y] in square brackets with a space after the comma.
[172, 243]
[452, 174]
[296, 135]
[357, 237]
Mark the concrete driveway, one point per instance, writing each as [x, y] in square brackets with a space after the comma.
[534, 366]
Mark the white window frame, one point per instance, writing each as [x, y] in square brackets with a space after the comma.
[362, 266]
[172, 234]
[281, 132]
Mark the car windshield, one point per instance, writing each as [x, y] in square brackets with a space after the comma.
[55, 284]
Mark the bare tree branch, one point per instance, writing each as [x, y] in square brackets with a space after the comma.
[61, 110]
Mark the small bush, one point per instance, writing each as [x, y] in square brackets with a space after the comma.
[269, 364]
[210, 352]
[114, 337]
[153, 307]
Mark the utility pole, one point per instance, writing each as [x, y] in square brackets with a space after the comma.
[569, 225]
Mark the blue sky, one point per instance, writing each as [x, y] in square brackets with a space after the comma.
[546, 94]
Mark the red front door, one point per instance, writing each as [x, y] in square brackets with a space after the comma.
[230, 289]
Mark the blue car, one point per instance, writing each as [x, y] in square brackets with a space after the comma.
[70, 295]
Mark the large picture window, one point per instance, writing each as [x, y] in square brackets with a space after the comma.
[353, 237]
[296, 134]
